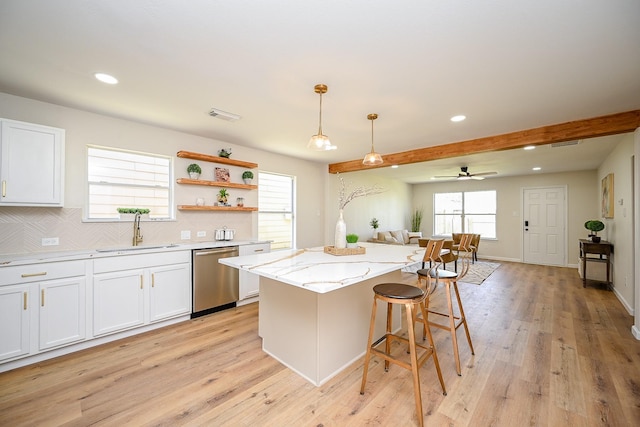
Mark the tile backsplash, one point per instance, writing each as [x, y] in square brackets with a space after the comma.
[23, 228]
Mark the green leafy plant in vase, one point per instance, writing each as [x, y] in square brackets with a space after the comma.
[352, 240]
[223, 196]
[194, 170]
[594, 226]
[247, 177]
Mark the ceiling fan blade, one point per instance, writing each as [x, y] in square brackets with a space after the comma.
[484, 173]
[446, 176]
[476, 177]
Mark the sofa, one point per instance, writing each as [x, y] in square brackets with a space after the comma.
[397, 237]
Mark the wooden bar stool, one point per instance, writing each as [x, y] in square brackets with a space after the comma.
[450, 280]
[411, 297]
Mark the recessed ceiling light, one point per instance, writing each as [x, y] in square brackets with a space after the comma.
[458, 118]
[537, 168]
[106, 78]
[394, 166]
[530, 147]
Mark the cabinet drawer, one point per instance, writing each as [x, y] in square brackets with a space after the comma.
[128, 262]
[39, 272]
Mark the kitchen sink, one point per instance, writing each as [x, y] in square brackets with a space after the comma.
[137, 248]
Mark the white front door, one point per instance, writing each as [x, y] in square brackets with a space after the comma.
[544, 225]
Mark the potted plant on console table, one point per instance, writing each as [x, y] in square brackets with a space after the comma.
[594, 225]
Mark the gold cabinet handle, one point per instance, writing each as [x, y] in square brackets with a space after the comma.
[153, 280]
[42, 298]
[258, 250]
[24, 298]
[141, 281]
[4, 188]
[42, 273]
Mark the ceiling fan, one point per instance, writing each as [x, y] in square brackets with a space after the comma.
[464, 174]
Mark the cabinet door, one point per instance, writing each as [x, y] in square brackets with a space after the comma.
[62, 312]
[31, 164]
[249, 282]
[14, 321]
[118, 301]
[170, 291]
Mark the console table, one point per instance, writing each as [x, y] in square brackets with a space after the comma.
[602, 250]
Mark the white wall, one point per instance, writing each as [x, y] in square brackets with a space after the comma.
[23, 228]
[619, 229]
[508, 244]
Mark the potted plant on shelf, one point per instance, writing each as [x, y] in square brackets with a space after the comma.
[223, 196]
[247, 176]
[374, 224]
[225, 152]
[594, 226]
[194, 171]
[352, 240]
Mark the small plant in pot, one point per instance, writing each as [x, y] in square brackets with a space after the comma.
[223, 195]
[225, 152]
[247, 177]
[194, 170]
[594, 226]
[352, 240]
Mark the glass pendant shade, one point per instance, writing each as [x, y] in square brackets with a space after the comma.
[372, 158]
[320, 142]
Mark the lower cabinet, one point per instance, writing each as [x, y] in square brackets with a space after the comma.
[136, 290]
[62, 317]
[118, 301]
[14, 321]
[249, 282]
[41, 308]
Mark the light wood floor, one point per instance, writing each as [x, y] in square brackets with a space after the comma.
[548, 353]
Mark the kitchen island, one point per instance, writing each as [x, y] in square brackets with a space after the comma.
[315, 307]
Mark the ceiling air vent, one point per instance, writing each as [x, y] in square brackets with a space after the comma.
[565, 143]
[230, 117]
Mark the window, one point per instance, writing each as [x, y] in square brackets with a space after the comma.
[127, 179]
[275, 210]
[465, 212]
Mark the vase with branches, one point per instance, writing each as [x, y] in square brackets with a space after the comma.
[344, 199]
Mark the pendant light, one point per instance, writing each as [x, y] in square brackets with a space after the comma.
[320, 142]
[372, 158]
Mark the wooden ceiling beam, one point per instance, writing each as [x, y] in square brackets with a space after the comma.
[579, 129]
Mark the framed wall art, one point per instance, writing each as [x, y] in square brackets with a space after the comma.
[222, 174]
[607, 196]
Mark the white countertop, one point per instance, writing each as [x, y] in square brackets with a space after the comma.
[40, 257]
[320, 272]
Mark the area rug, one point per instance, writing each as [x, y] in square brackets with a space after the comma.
[478, 272]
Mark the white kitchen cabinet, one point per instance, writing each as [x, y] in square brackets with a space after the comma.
[134, 290]
[249, 282]
[62, 317]
[31, 164]
[118, 301]
[14, 321]
[42, 306]
[170, 291]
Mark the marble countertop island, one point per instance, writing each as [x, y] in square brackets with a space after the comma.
[320, 272]
[315, 307]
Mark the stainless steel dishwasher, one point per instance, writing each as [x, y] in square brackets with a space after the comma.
[215, 286]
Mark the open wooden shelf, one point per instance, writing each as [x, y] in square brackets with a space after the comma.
[216, 183]
[216, 208]
[216, 159]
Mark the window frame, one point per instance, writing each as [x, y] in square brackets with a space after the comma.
[292, 212]
[171, 210]
[464, 213]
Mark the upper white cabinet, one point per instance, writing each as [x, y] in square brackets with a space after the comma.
[31, 164]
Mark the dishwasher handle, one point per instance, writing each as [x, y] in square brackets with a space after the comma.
[203, 252]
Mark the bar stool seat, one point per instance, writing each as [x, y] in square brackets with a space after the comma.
[411, 297]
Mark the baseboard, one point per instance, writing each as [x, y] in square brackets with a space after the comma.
[636, 332]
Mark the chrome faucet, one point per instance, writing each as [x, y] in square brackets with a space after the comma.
[137, 235]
